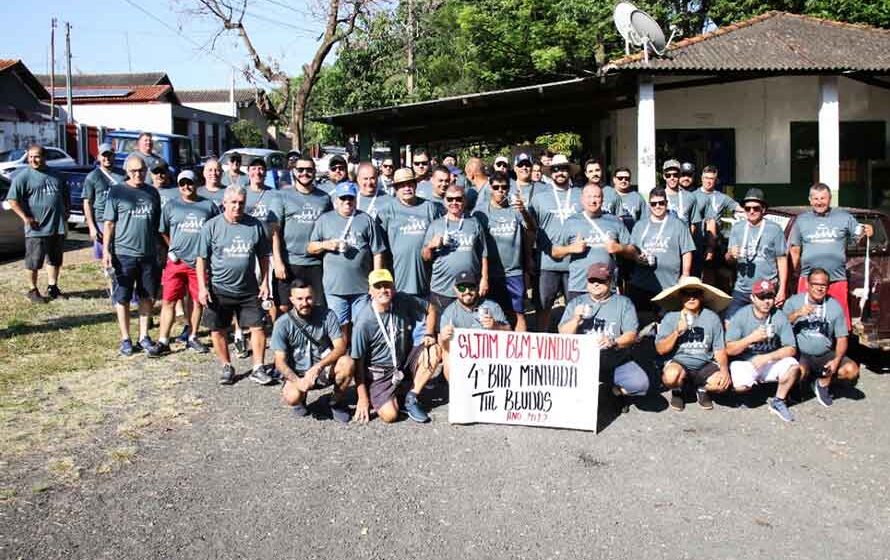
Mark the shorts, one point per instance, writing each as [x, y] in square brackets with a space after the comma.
[178, 279]
[382, 390]
[508, 292]
[814, 365]
[744, 375]
[222, 308]
[551, 284]
[836, 289]
[139, 275]
[347, 307]
[698, 377]
[739, 300]
[39, 249]
[441, 301]
[309, 274]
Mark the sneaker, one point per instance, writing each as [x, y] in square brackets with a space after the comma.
[126, 348]
[242, 350]
[704, 398]
[260, 375]
[778, 407]
[158, 350]
[414, 410]
[184, 335]
[196, 345]
[35, 297]
[822, 394]
[678, 403]
[300, 410]
[340, 413]
[53, 292]
[146, 343]
[227, 377]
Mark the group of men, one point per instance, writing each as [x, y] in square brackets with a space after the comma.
[364, 280]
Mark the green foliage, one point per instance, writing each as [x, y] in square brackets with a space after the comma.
[248, 134]
[561, 143]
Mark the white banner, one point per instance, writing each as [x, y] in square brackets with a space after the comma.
[533, 379]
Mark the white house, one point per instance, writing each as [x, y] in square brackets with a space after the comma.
[238, 103]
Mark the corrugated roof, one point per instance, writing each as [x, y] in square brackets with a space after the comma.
[118, 80]
[214, 95]
[773, 42]
[138, 94]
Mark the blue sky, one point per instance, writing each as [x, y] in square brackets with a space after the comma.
[101, 31]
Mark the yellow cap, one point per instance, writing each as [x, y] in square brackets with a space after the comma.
[379, 275]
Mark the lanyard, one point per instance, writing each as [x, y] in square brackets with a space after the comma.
[460, 223]
[756, 241]
[679, 208]
[107, 175]
[358, 203]
[657, 235]
[562, 207]
[348, 225]
[602, 234]
[389, 340]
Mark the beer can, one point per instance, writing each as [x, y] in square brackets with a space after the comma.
[770, 330]
[266, 304]
[650, 259]
[173, 257]
[341, 246]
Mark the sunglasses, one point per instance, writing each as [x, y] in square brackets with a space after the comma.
[386, 165]
[338, 168]
[382, 286]
[597, 281]
[500, 187]
[185, 182]
[559, 169]
[671, 174]
[501, 164]
[690, 294]
[766, 296]
[656, 203]
[305, 170]
[753, 208]
[622, 177]
[425, 162]
[463, 288]
[454, 199]
[523, 164]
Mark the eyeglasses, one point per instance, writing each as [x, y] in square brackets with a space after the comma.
[463, 288]
[753, 208]
[388, 165]
[559, 169]
[382, 286]
[185, 182]
[690, 294]
[347, 198]
[501, 164]
[421, 162]
[454, 199]
[500, 187]
[622, 177]
[671, 174]
[338, 168]
[656, 203]
[523, 164]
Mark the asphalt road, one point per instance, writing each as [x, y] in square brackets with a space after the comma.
[248, 480]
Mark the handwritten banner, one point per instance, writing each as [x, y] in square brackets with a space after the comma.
[533, 379]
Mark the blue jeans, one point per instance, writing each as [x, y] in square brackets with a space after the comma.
[347, 307]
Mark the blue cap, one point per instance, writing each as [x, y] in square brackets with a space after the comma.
[346, 188]
[454, 170]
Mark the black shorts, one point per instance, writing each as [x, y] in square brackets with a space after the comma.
[441, 301]
[815, 365]
[551, 284]
[309, 274]
[218, 315]
[382, 390]
[49, 248]
[139, 275]
[699, 377]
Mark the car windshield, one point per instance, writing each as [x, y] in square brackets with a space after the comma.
[11, 155]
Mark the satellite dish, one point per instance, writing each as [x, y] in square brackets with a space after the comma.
[640, 29]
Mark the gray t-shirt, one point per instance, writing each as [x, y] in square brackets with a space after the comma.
[239, 179]
[300, 211]
[668, 244]
[95, 189]
[712, 205]
[183, 222]
[596, 232]
[369, 343]
[43, 195]
[327, 186]
[424, 189]
[612, 317]
[464, 250]
[216, 196]
[816, 333]
[151, 161]
[682, 204]
[759, 247]
[264, 205]
[695, 347]
[302, 353]
[372, 205]
[527, 191]
[136, 213]
[168, 193]
[347, 273]
[632, 208]
[405, 228]
[823, 241]
[460, 317]
[611, 201]
[744, 323]
[231, 250]
[505, 228]
[552, 207]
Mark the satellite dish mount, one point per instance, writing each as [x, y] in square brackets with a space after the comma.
[639, 29]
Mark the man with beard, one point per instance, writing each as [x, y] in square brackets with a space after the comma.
[384, 180]
[680, 202]
[337, 170]
[631, 207]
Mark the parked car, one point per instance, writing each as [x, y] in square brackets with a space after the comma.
[176, 150]
[74, 177]
[12, 231]
[276, 162]
[12, 160]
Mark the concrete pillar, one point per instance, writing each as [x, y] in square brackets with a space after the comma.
[646, 136]
[829, 135]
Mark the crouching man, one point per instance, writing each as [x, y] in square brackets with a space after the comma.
[386, 362]
[759, 336]
[612, 322]
[309, 352]
[691, 335]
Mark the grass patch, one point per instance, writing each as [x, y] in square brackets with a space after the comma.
[63, 470]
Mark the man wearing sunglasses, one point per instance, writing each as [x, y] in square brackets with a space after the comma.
[680, 202]
[611, 323]
[552, 209]
[502, 164]
[95, 191]
[523, 186]
[233, 175]
[662, 254]
[337, 173]
[761, 343]
[757, 250]
[506, 223]
[713, 205]
[384, 179]
[629, 204]
[386, 362]
[422, 167]
[301, 207]
[454, 243]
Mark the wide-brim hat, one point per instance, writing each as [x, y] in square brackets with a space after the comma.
[561, 159]
[402, 176]
[713, 298]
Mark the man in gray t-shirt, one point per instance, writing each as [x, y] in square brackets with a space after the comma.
[144, 151]
[95, 191]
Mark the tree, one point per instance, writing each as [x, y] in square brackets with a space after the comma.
[248, 134]
[291, 102]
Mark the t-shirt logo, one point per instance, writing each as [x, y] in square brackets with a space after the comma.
[191, 224]
[239, 248]
[142, 210]
[597, 325]
[824, 234]
[306, 215]
[694, 341]
[414, 226]
[503, 227]
[260, 211]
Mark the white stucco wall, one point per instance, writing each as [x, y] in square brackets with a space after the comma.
[155, 117]
[760, 112]
[20, 134]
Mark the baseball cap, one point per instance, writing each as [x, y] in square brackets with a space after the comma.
[501, 159]
[688, 168]
[160, 167]
[106, 147]
[256, 160]
[187, 174]
[599, 271]
[235, 155]
[522, 157]
[670, 164]
[466, 277]
[454, 170]
[379, 275]
[337, 160]
[755, 195]
[293, 154]
[345, 188]
[763, 286]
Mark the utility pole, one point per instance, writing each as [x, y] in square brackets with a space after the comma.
[68, 93]
[411, 33]
[52, 80]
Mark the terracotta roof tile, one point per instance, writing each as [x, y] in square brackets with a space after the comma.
[137, 94]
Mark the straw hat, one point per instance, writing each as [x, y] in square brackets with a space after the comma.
[561, 159]
[402, 175]
[712, 298]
